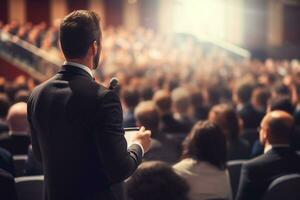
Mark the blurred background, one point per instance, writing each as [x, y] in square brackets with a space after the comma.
[247, 28]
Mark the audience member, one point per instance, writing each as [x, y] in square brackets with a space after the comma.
[17, 140]
[182, 107]
[253, 113]
[156, 180]
[4, 106]
[200, 111]
[6, 161]
[204, 162]
[243, 96]
[161, 148]
[32, 166]
[227, 119]
[21, 96]
[278, 158]
[130, 99]
[163, 102]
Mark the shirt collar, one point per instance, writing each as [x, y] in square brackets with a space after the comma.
[269, 147]
[85, 68]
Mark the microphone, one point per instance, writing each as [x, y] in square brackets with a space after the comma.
[114, 85]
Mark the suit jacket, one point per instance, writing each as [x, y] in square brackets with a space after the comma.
[7, 186]
[258, 173]
[6, 161]
[77, 134]
[251, 117]
[15, 143]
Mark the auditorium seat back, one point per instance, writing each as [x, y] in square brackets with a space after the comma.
[30, 187]
[19, 164]
[234, 169]
[284, 188]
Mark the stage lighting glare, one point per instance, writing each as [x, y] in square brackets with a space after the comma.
[132, 1]
[200, 17]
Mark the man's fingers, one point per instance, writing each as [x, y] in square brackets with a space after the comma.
[142, 129]
[148, 132]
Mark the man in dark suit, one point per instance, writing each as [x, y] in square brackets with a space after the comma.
[76, 124]
[278, 158]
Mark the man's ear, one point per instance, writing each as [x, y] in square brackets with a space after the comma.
[95, 47]
[266, 134]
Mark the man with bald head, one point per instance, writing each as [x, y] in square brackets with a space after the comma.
[17, 140]
[278, 158]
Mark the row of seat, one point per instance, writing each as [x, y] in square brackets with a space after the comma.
[285, 187]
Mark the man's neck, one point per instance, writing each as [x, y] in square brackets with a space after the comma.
[269, 146]
[81, 61]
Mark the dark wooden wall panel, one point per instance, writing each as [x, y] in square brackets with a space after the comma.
[291, 24]
[38, 11]
[113, 12]
[77, 5]
[4, 11]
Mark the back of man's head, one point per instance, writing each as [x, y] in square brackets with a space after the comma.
[279, 127]
[244, 93]
[147, 115]
[4, 105]
[163, 101]
[154, 181]
[130, 97]
[17, 118]
[78, 31]
[181, 100]
[260, 98]
[281, 103]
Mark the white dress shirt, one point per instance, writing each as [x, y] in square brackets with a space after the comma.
[81, 66]
[206, 181]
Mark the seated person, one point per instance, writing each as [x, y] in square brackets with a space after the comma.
[4, 106]
[204, 163]
[278, 158]
[163, 102]
[161, 148]
[17, 140]
[6, 161]
[32, 166]
[130, 99]
[156, 180]
[225, 116]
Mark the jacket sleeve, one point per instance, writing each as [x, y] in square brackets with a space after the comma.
[119, 162]
[34, 141]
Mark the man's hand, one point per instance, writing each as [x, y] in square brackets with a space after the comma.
[143, 137]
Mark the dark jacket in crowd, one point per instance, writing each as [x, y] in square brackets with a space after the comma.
[257, 174]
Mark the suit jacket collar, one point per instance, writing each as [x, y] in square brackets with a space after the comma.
[279, 150]
[76, 70]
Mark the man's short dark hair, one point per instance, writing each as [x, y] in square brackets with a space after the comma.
[131, 97]
[78, 31]
[282, 103]
[156, 180]
[244, 93]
